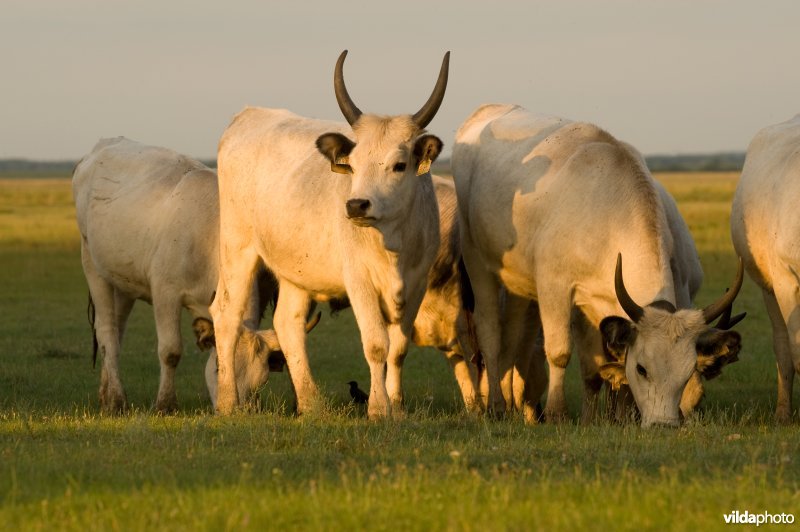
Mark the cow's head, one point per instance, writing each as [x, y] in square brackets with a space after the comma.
[257, 353]
[658, 349]
[388, 154]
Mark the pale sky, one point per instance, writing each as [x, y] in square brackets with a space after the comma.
[667, 76]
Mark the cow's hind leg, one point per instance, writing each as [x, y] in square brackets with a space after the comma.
[290, 322]
[168, 328]
[236, 275]
[782, 344]
[106, 331]
[486, 288]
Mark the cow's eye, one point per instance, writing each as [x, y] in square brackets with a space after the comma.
[641, 371]
[399, 167]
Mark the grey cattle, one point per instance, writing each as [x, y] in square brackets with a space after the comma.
[765, 227]
[549, 208]
[332, 209]
[149, 224]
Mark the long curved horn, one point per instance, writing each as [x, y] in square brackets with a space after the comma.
[634, 311]
[715, 309]
[349, 109]
[424, 116]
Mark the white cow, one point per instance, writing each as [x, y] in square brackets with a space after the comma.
[440, 322]
[765, 226]
[257, 354]
[332, 211]
[548, 208]
[149, 224]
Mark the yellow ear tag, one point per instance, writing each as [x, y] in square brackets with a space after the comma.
[340, 165]
[424, 167]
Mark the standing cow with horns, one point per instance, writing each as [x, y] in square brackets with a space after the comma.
[332, 209]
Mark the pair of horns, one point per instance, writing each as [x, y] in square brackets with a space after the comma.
[710, 313]
[422, 117]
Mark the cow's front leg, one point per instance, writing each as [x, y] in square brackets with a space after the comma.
[375, 341]
[398, 349]
[555, 310]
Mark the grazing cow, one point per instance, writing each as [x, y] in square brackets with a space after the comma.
[333, 210]
[548, 208]
[765, 227]
[257, 353]
[149, 224]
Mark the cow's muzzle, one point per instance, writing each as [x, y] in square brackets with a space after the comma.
[358, 211]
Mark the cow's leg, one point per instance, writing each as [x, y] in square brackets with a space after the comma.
[168, 328]
[398, 349]
[112, 394]
[556, 313]
[465, 379]
[590, 351]
[290, 325]
[237, 270]
[520, 325]
[782, 334]
[511, 357]
[486, 288]
[123, 305]
[533, 372]
[460, 357]
[375, 342]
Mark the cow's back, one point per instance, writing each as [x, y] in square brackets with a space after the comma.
[549, 198]
[765, 225]
[278, 192]
[147, 215]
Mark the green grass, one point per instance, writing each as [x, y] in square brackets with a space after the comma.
[64, 466]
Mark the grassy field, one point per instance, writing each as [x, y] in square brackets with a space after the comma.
[64, 466]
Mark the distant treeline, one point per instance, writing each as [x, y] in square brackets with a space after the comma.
[708, 162]
[712, 162]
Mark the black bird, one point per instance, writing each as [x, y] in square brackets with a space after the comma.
[359, 396]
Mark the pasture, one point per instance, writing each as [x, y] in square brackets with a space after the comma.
[64, 466]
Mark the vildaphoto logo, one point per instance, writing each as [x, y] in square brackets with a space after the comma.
[764, 518]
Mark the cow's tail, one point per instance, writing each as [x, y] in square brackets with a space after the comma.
[468, 306]
[90, 312]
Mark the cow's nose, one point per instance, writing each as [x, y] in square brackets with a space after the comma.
[357, 208]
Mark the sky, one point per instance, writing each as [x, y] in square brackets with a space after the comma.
[666, 76]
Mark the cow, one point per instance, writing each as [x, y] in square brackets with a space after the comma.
[149, 224]
[440, 322]
[548, 208]
[765, 227]
[333, 210]
[257, 354]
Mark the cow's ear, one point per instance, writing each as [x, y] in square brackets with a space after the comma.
[614, 373]
[336, 148]
[426, 149]
[204, 333]
[618, 334]
[715, 349]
